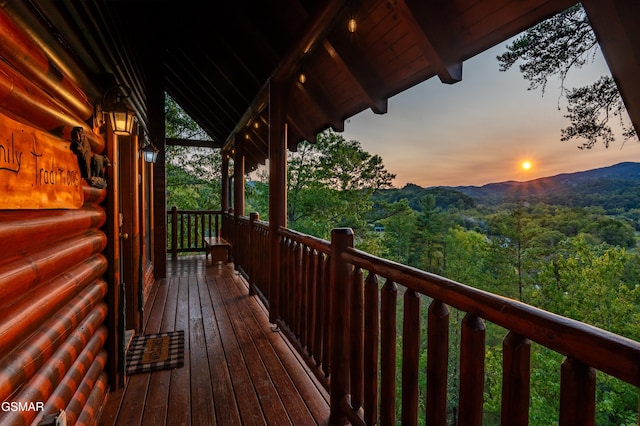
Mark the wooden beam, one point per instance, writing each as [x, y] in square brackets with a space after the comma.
[314, 95]
[362, 75]
[297, 135]
[448, 71]
[259, 140]
[254, 151]
[617, 27]
[495, 29]
[318, 27]
[277, 189]
[321, 23]
[193, 142]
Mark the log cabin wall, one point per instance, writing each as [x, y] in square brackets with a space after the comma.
[52, 290]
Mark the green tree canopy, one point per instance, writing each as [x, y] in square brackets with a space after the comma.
[193, 174]
[331, 183]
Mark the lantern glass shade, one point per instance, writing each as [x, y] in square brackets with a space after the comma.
[150, 153]
[120, 115]
[121, 118]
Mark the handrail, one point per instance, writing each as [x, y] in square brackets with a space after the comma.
[314, 243]
[367, 313]
[607, 352]
[304, 300]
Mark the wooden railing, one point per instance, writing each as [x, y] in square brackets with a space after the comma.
[187, 228]
[303, 297]
[340, 306]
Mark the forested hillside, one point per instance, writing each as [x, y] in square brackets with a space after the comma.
[613, 188]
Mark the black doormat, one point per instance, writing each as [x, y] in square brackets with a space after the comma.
[152, 352]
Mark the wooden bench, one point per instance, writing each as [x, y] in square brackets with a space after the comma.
[218, 248]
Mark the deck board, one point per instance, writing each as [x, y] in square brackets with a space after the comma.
[237, 370]
[223, 394]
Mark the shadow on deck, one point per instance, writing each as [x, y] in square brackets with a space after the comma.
[237, 369]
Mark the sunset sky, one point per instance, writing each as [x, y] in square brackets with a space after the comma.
[481, 129]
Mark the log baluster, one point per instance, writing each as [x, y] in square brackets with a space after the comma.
[325, 295]
[370, 365]
[174, 232]
[410, 357]
[305, 283]
[389, 297]
[341, 239]
[437, 363]
[577, 394]
[298, 284]
[312, 304]
[287, 277]
[356, 308]
[252, 259]
[472, 353]
[516, 356]
[198, 236]
[290, 274]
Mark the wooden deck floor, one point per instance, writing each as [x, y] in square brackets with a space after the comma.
[237, 369]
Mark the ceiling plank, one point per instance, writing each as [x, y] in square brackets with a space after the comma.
[184, 65]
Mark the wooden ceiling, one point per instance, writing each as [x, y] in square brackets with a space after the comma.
[216, 59]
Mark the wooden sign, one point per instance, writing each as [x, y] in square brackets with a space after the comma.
[37, 169]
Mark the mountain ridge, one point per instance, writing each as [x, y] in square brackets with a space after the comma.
[611, 187]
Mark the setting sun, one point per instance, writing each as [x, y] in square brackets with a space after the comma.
[526, 165]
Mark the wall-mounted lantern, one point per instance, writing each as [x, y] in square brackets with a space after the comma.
[120, 115]
[150, 153]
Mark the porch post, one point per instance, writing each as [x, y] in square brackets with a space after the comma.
[155, 113]
[252, 258]
[224, 197]
[238, 179]
[238, 199]
[277, 189]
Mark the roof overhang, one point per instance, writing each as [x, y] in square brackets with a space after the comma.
[217, 64]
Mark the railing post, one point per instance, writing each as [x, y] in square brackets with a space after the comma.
[339, 278]
[230, 235]
[253, 256]
[275, 273]
[516, 380]
[174, 232]
[437, 363]
[472, 356]
[577, 393]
